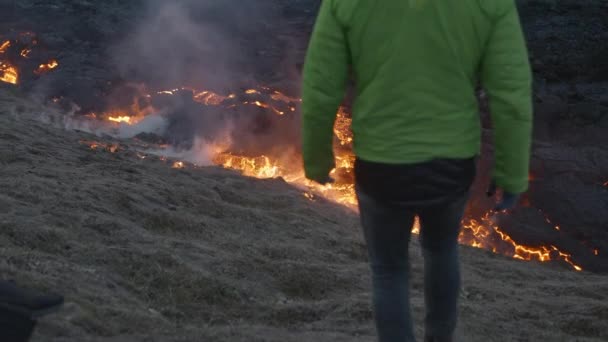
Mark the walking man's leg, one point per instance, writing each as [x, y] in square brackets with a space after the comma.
[439, 239]
[387, 232]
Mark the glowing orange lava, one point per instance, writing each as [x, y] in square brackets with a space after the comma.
[178, 165]
[25, 53]
[209, 98]
[258, 167]
[95, 145]
[4, 46]
[125, 119]
[481, 234]
[44, 68]
[129, 116]
[8, 73]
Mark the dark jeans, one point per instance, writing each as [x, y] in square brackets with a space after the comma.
[387, 228]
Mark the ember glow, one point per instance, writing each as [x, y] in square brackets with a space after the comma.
[265, 167]
[342, 127]
[125, 119]
[44, 68]
[25, 53]
[209, 98]
[8, 73]
[4, 46]
[258, 167]
[95, 145]
[129, 116]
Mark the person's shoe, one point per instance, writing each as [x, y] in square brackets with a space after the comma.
[27, 302]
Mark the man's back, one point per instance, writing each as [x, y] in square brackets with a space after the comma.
[417, 64]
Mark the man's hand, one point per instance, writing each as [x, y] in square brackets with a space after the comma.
[508, 200]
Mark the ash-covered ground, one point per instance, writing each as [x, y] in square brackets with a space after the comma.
[146, 252]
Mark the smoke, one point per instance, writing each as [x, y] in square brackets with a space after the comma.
[222, 46]
[197, 43]
[200, 154]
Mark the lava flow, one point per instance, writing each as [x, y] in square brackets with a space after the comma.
[46, 67]
[480, 233]
[125, 119]
[8, 73]
[15, 51]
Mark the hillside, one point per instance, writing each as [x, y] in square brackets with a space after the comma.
[145, 252]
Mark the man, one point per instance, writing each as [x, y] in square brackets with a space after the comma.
[416, 65]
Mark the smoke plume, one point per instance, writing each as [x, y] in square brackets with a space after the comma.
[192, 43]
[211, 45]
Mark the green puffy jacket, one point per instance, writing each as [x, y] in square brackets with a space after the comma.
[416, 65]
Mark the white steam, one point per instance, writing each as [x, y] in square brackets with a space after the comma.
[200, 154]
[154, 123]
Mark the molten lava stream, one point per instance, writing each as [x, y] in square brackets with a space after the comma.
[125, 119]
[44, 68]
[4, 46]
[480, 234]
[8, 73]
[487, 235]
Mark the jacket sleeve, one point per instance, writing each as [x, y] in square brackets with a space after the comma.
[507, 78]
[324, 84]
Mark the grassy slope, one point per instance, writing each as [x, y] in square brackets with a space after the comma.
[146, 252]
